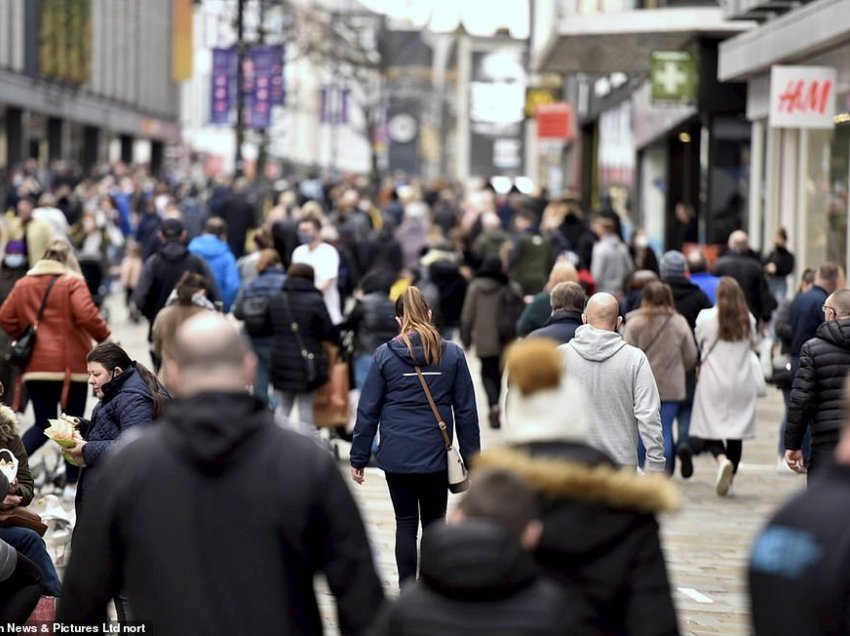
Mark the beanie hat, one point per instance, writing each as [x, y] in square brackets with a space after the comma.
[673, 265]
[543, 404]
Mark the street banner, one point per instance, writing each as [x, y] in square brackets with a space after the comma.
[802, 97]
[278, 87]
[223, 80]
[263, 65]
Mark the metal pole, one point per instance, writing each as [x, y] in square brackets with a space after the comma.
[240, 89]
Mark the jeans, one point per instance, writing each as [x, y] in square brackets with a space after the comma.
[28, 543]
[415, 497]
[263, 350]
[304, 424]
[491, 377]
[669, 410]
[778, 288]
[686, 407]
[45, 396]
[362, 364]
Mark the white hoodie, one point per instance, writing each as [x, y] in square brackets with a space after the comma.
[621, 395]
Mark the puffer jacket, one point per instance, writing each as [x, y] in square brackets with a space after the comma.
[10, 439]
[373, 322]
[816, 396]
[127, 402]
[70, 326]
[600, 534]
[476, 580]
[392, 396]
[306, 307]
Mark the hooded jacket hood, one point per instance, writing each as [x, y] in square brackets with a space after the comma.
[417, 359]
[211, 430]
[208, 246]
[596, 344]
[173, 251]
[475, 560]
[836, 332]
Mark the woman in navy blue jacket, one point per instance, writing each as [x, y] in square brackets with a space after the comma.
[411, 451]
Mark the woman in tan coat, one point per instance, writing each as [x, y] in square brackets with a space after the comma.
[666, 339]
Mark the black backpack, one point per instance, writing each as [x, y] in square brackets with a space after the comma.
[511, 306]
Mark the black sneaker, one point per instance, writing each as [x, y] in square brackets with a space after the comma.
[686, 464]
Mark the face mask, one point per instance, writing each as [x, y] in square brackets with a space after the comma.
[305, 239]
[14, 260]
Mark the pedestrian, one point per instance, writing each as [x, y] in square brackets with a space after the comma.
[568, 301]
[411, 450]
[323, 259]
[479, 327]
[601, 539]
[251, 307]
[20, 579]
[163, 270]
[489, 243]
[412, 234]
[816, 395]
[12, 269]
[55, 376]
[688, 297]
[619, 385]
[531, 256]
[247, 265]
[725, 400]
[300, 325]
[700, 276]
[579, 238]
[239, 213]
[372, 320]
[797, 580]
[130, 273]
[744, 266]
[35, 234]
[664, 336]
[538, 311]
[500, 592]
[611, 263]
[190, 296]
[807, 310]
[198, 569]
[642, 253]
[213, 248]
[779, 265]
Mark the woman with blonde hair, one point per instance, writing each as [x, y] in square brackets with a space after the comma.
[725, 401]
[411, 450]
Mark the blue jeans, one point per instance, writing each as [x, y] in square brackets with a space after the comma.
[28, 543]
[669, 411]
[778, 288]
[263, 350]
[362, 364]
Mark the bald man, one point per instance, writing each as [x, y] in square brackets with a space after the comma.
[816, 395]
[742, 264]
[216, 520]
[619, 387]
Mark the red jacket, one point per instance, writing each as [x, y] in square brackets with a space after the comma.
[69, 327]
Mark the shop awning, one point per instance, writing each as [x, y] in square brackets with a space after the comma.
[623, 42]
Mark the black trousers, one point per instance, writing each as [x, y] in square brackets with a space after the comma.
[491, 376]
[19, 594]
[415, 497]
[733, 449]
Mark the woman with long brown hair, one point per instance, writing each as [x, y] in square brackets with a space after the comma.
[725, 401]
[411, 450]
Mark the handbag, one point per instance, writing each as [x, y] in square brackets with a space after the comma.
[255, 316]
[309, 359]
[20, 351]
[330, 402]
[758, 375]
[22, 517]
[458, 475]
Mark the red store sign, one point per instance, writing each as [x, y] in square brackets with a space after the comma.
[554, 121]
[802, 97]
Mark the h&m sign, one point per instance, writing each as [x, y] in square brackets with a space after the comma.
[802, 97]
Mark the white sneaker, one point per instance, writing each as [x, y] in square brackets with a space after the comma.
[69, 493]
[724, 478]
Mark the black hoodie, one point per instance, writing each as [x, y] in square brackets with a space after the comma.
[816, 396]
[477, 580]
[217, 521]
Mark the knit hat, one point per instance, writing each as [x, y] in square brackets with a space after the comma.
[673, 265]
[171, 228]
[543, 403]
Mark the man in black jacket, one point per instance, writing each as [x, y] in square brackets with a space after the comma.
[478, 576]
[807, 310]
[799, 581]
[568, 301]
[216, 521]
[817, 390]
[746, 269]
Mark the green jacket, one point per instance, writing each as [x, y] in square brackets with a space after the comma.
[10, 439]
[535, 315]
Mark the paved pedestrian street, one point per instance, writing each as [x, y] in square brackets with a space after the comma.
[706, 543]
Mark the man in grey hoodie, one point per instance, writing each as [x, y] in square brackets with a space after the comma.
[619, 387]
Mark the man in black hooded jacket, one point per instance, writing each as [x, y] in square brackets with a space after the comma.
[216, 521]
[817, 390]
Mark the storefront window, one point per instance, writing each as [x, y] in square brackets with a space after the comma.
[828, 171]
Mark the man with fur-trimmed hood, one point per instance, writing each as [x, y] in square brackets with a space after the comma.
[600, 533]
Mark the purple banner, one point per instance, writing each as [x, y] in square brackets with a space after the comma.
[263, 60]
[278, 87]
[221, 93]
